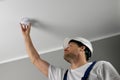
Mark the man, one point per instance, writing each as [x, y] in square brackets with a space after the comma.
[77, 52]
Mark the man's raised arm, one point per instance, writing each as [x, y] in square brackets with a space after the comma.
[32, 52]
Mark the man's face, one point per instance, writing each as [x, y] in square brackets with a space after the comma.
[71, 52]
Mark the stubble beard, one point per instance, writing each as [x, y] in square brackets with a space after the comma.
[69, 57]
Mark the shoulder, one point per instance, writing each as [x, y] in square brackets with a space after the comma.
[100, 65]
[106, 70]
[103, 63]
[55, 73]
[103, 66]
[55, 70]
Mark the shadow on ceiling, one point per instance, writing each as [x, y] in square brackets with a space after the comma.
[52, 29]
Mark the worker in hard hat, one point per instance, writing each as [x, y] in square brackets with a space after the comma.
[77, 51]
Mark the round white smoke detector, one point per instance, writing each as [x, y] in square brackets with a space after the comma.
[25, 21]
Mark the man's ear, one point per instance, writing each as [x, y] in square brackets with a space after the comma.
[82, 48]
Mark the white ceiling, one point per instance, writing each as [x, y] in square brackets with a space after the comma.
[53, 20]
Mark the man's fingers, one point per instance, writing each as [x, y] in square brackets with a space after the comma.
[23, 27]
[29, 26]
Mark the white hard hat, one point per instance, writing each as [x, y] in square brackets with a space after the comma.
[84, 41]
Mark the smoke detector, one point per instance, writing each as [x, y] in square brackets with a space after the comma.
[25, 20]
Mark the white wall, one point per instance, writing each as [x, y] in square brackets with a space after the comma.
[118, 13]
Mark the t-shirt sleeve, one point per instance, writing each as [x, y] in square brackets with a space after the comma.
[108, 72]
[55, 73]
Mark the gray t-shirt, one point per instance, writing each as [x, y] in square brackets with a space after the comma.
[102, 70]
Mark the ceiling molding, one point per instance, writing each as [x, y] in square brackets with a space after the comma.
[56, 49]
[26, 56]
[106, 36]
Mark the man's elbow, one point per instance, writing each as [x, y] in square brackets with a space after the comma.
[35, 60]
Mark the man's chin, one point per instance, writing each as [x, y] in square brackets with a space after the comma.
[66, 59]
[69, 56]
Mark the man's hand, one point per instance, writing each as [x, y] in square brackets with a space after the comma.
[25, 30]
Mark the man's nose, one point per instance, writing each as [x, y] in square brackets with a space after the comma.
[66, 48]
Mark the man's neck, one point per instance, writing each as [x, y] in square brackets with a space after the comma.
[77, 64]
